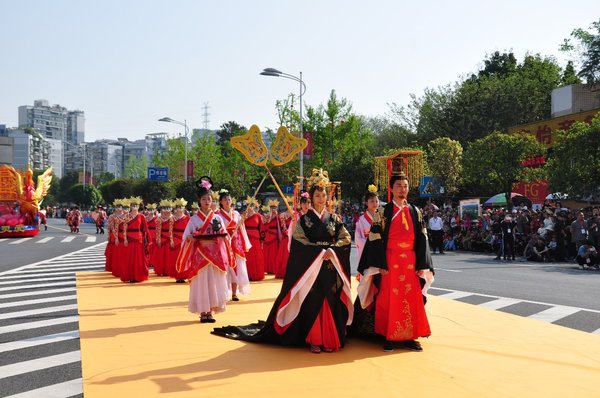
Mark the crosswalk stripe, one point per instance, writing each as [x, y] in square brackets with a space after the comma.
[37, 293]
[72, 269]
[499, 303]
[90, 239]
[39, 364]
[40, 279]
[37, 301]
[39, 311]
[67, 389]
[39, 324]
[26, 275]
[19, 241]
[596, 331]
[47, 339]
[46, 239]
[68, 239]
[6, 289]
[553, 314]
[455, 295]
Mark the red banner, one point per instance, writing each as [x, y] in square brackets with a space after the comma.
[190, 169]
[308, 150]
[535, 191]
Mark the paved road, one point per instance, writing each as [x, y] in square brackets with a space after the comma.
[39, 330]
[57, 240]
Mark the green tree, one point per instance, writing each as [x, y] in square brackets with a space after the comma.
[587, 46]
[172, 157]
[575, 160]
[389, 134]
[105, 177]
[445, 162]
[152, 191]
[569, 75]
[86, 197]
[117, 189]
[501, 95]
[66, 182]
[136, 167]
[495, 162]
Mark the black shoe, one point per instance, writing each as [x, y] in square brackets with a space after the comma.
[412, 345]
[235, 298]
[388, 346]
[497, 258]
[180, 281]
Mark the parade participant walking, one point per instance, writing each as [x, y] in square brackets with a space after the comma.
[392, 263]
[205, 257]
[314, 305]
[255, 260]
[112, 224]
[237, 277]
[150, 214]
[285, 222]
[180, 220]
[363, 225]
[120, 251]
[75, 219]
[100, 218]
[272, 237]
[135, 266]
[164, 238]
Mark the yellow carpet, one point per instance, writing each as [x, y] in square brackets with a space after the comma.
[138, 340]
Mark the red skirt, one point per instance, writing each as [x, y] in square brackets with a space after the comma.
[399, 308]
[270, 251]
[135, 268]
[255, 261]
[282, 258]
[108, 254]
[159, 259]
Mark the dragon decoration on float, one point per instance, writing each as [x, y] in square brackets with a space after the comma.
[20, 200]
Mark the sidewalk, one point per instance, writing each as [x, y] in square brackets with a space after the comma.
[139, 340]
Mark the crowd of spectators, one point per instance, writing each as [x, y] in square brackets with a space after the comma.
[549, 234]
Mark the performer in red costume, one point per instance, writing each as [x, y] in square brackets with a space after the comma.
[285, 222]
[255, 260]
[112, 225]
[150, 214]
[164, 238]
[237, 277]
[180, 220]
[396, 265]
[120, 251]
[272, 237]
[135, 267]
[205, 256]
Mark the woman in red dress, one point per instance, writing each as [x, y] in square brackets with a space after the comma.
[135, 267]
[272, 237]
[120, 251]
[164, 237]
[285, 222]
[112, 225]
[255, 260]
[150, 214]
[180, 220]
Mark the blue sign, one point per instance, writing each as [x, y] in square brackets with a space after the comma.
[158, 174]
[429, 186]
[288, 189]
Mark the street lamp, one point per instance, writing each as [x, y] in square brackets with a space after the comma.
[278, 73]
[184, 124]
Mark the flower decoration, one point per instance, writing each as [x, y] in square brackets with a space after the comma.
[223, 191]
[319, 178]
[205, 184]
[372, 188]
[305, 195]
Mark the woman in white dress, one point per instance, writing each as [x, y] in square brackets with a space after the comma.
[363, 225]
[205, 257]
[237, 274]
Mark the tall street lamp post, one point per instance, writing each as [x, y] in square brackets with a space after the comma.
[184, 124]
[278, 73]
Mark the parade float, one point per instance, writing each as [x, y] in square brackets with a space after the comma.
[20, 200]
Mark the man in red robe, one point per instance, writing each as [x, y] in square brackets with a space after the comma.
[395, 265]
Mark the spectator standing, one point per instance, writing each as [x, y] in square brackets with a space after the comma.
[436, 228]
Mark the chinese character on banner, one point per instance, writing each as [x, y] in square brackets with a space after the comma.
[566, 124]
[544, 135]
[308, 151]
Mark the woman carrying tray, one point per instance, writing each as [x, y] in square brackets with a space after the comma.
[205, 256]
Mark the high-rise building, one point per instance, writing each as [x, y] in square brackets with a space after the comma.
[50, 121]
[75, 127]
[104, 156]
[29, 150]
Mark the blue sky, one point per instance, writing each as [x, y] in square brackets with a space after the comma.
[128, 63]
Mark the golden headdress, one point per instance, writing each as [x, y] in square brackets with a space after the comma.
[126, 202]
[151, 206]
[289, 200]
[251, 202]
[194, 205]
[273, 203]
[180, 202]
[215, 195]
[372, 188]
[135, 200]
[118, 202]
[265, 209]
[166, 203]
[319, 177]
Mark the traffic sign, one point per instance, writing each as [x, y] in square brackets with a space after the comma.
[158, 174]
[288, 189]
